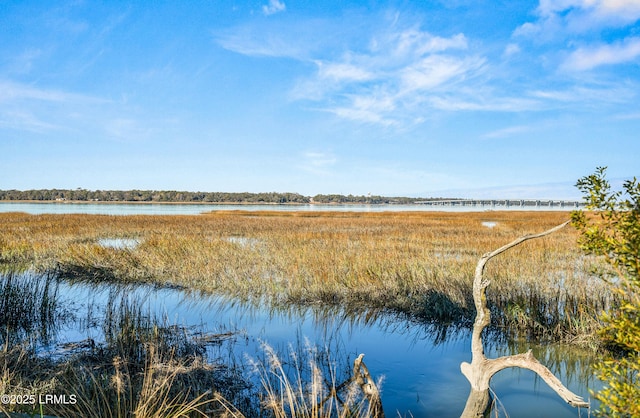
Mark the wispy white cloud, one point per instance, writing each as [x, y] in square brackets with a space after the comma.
[604, 93]
[343, 72]
[511, 49]
[435, 70]
[274, 6]
[27, 107]
[12, 91]
[587, 58]
[23, 63]
[126, 129]
[374, 109]
[20, 120]
[382, 76]
[34, 109]
[507, 132]
[628, 116]
[245, 43]
[263, 40]
[319, 159]
[492, 102]
[319, 163]
[395, 74]
[557, 17]
[386, 82]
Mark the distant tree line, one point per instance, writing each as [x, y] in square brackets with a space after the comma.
[374, 200]
[84, 195]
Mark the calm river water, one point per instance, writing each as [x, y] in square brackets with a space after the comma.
[193, 209]
[420, 362]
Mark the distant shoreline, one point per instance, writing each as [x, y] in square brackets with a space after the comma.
[216, 198]
[138, 202]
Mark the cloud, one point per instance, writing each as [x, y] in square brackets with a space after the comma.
[628, 116]
[393, 73]
[20, 92]
[25, 121]
[436, 70]
[274, 6]
[299, 40]
[29, 108]
[343, 72]
[366, 108]
[126, 129]
[587, 96]
[511, 49]
[247, 41]
[587, 58]
[380, 72]
[12, 91]
[317, 162]
[507, 132]
[558, 17]
[489, 102]
[385, 81]
[319, 159]
[582, 14]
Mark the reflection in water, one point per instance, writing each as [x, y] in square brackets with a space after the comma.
[420, 361]
[30, 308]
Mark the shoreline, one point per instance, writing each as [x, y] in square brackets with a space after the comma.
[138, 202]
[459, 202]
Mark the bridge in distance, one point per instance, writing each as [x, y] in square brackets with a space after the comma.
[516, 203]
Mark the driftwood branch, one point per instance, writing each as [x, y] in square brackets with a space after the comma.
[368, 386]
[528, 361]
[480, 371]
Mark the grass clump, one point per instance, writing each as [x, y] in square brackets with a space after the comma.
[29, 307]
[307, 384]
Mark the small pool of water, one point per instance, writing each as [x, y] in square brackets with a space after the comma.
[119, 243]
[419, 363]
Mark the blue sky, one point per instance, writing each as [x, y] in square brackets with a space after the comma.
[424, 98]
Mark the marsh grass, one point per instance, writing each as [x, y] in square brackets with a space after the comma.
[308, 383]
[416, 263]
[156, 368]
[29, 307]
[142, 366]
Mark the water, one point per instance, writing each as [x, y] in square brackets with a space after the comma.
[420, 362]
[119, 243]
[194, 209]
[489, 224]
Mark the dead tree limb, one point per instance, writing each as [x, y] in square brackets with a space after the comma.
[481, 369]
[368, 387]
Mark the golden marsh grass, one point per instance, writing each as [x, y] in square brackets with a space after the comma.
[419, 263]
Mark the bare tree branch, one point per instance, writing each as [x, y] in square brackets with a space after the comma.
[480, 371]
[368, 386]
